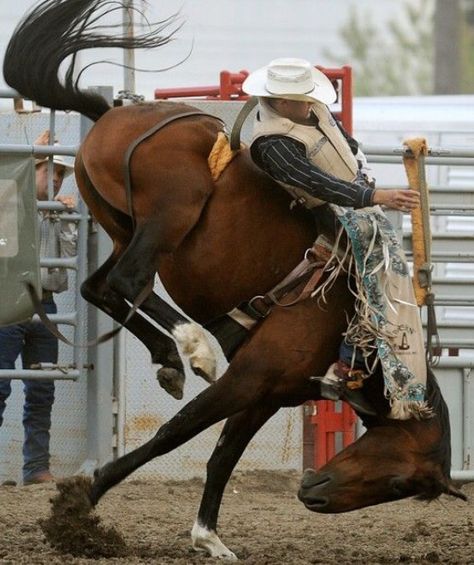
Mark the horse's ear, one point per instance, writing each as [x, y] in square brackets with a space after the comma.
[453, 491]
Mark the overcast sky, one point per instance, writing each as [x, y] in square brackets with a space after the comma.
[224, 35]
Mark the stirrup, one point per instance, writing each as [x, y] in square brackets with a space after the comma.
[334, 387]
[331, 389]
[331, 384]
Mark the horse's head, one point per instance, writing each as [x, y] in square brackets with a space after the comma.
[394, 459]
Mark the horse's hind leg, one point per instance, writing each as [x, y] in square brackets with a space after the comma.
[96, 290]
[162, 348]
[237, 433]
[233, 392]
[134, 271]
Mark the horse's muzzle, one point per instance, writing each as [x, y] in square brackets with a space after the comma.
[312, 491]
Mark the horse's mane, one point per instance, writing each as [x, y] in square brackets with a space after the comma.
[70, 27]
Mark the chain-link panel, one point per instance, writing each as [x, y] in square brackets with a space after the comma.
[69, 416]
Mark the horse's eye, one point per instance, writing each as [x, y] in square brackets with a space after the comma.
[399, 486]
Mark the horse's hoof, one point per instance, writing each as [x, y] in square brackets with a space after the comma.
[208, 541]
[194, 343]
[172, 381]
[204, 373]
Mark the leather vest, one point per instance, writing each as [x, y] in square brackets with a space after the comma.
[326, 147]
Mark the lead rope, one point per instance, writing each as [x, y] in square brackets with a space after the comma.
[421, 242]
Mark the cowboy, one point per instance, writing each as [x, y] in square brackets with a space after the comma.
[298, 142]
[31, 339]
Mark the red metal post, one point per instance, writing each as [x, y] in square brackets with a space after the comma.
[231, 85]
[193, 91]
[229, 88]
[327, 422]
[343, 78]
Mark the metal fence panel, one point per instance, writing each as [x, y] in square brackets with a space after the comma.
[69, 417]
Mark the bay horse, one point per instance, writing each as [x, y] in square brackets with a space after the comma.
[214, 244]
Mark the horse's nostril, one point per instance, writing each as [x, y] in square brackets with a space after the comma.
[311, 479]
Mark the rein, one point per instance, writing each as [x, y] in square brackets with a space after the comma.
[239, 122]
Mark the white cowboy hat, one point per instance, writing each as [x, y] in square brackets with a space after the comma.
[295, 79]
[58, 160]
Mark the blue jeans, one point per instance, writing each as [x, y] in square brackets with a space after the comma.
[346, 352]
[36, 344]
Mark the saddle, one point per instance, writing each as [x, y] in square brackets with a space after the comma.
[298, 285]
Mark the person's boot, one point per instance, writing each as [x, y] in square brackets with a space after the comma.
[343, 383]
[39, 478]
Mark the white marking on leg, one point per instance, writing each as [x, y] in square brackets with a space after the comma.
[193, 342]
[207, 540]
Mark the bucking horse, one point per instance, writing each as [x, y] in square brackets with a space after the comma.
[143, 172]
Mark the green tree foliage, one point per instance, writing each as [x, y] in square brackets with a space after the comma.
[467, 48]
[394, 60]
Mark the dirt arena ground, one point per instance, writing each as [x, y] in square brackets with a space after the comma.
[261, 521]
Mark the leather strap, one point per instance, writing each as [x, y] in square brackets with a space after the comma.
[131, 148]
[101, 339]
[239, 121]
[259, 307]
[310, 270]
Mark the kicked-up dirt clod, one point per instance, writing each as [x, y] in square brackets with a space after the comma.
[74, 528]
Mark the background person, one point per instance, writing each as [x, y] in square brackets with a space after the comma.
[31, 339]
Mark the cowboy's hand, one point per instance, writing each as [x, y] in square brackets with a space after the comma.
[68, 201]
[403, 200]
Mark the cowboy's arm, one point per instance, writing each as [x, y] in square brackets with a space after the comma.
[285, 160]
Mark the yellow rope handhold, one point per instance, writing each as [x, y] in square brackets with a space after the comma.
[220, 156]
[419, 147]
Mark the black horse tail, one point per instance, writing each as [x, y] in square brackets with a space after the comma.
[57, 29]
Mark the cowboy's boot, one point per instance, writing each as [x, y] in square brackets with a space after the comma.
[343, 383]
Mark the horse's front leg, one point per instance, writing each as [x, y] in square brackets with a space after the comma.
[236, 435]
[233, 392]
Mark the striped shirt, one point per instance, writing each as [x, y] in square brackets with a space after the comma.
[285, 160]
